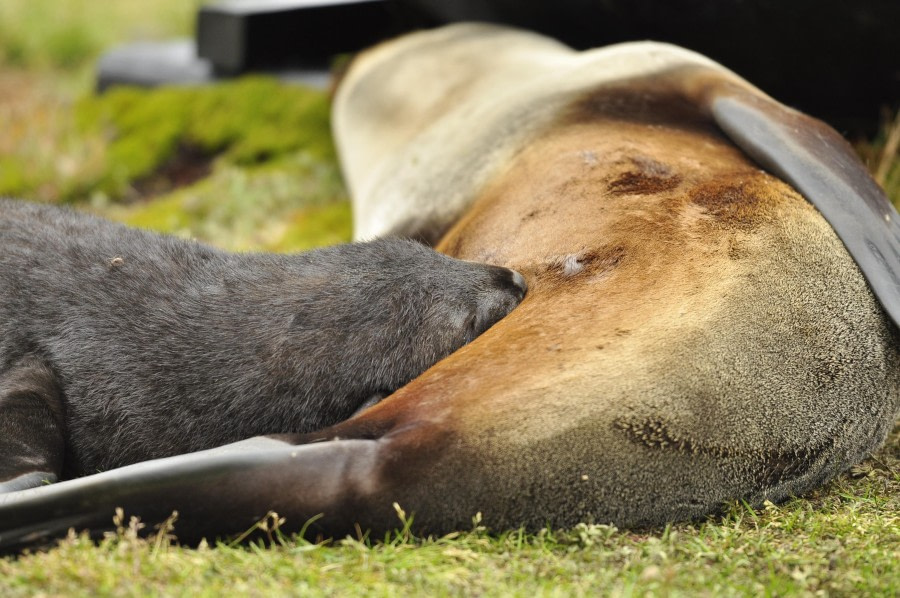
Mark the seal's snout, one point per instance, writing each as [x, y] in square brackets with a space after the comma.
[511, 283]
[507, 290]
[519, 281]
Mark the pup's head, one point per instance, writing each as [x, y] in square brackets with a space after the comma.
[380, 313]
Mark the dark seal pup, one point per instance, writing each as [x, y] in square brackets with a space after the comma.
[119, 345]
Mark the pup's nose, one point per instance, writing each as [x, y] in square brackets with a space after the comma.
[510, 282]
[509, 288]
[519, 281]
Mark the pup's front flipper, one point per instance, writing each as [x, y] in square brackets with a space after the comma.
[31, 426]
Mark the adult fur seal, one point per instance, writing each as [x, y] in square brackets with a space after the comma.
[695, 331]
[119, 345]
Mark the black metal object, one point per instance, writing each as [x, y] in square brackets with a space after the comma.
[836, 61]
[294, 40]
[241, 35]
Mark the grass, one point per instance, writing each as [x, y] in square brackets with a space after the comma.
[843, 539]
[249, 165]
[882, 156]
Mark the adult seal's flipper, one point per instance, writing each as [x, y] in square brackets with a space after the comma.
[822, 166]
[217, 493]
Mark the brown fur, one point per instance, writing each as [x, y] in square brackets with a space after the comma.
[694, 330]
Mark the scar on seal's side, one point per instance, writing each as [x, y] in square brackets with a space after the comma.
[119, 345]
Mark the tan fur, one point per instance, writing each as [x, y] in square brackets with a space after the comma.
[694, 330]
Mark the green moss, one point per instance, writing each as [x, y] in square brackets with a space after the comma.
[316, 227]
[165, 215]
[294, 203]
[246, 121]
[13, 175]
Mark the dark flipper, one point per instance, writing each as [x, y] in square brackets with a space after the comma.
[31, 426]
[816, 161]
[217, 493]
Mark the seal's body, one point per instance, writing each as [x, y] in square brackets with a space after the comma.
[132, 345]
[695, 332]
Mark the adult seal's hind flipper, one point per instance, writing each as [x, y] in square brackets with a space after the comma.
[822, 166]
[217, 493]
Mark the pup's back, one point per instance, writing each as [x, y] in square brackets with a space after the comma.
[147, 345]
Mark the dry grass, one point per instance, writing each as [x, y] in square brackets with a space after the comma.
[887, 172]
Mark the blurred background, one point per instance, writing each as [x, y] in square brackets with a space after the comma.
[245, 164]
[248, 163]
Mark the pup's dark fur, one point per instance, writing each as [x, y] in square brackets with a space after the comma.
[119, 345]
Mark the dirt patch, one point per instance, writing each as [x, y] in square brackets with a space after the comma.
[187, 165]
